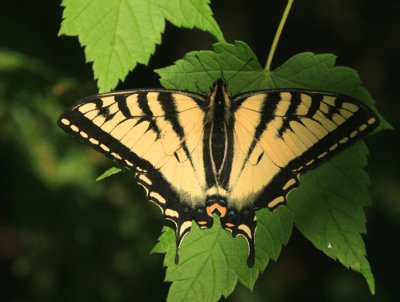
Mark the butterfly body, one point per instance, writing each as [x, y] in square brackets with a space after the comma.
[196, 155]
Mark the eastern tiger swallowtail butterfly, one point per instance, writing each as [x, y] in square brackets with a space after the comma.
[196, 154]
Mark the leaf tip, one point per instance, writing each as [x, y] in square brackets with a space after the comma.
[108, 173]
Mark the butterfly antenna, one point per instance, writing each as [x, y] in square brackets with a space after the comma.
[202, 65]
[198, 88]
[240, 70]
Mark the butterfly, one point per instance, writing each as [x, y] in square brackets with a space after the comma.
[197, 154]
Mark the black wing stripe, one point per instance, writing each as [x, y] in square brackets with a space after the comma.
[267, 114]
[147, 113]
[105, 111]
[122, 105]
[315, 102]
[143, 104]
[294, 104]
[167, 103]
[331, 111]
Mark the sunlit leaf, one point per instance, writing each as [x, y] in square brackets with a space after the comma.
[108, 173]
[117, 35]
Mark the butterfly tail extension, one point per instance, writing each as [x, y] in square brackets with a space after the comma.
[171, 208]
[243, 223]
[183, 225]
[182, 229]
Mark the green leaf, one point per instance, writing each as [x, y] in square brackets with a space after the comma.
[337, 220]
[119, 34]
[199, 69]
[212, 262]
[108, 173]
[190, 14]
[327, 208]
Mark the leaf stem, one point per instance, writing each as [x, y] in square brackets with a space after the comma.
[278, 34]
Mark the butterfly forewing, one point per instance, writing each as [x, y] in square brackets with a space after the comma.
[289, 132]
[156, 134]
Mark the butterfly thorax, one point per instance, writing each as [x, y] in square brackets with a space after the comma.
[220, 104]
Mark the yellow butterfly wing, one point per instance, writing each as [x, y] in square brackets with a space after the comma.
[280, 134]
[158, 135]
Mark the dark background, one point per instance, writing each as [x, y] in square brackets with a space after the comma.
[64, 237]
